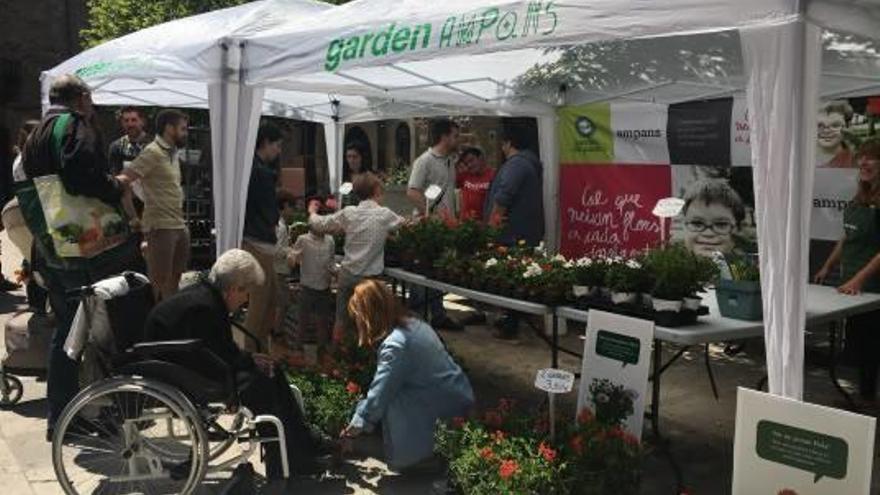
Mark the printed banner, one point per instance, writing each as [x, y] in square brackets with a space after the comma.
[740, 139]
[639, 133]
[585, 134]
[788, 447]
[719, 211]
[606, 211]
[833, 190]
[614, 369]
[699, 132]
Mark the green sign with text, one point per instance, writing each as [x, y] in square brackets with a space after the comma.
[618, 347]
[817, 453]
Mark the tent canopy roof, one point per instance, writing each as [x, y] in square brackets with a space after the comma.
[318, 64]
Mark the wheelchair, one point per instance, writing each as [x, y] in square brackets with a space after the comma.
[152, 425]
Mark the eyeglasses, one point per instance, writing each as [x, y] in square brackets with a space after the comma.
[721, 227]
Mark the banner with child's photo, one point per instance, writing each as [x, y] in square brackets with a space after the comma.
[697, 151]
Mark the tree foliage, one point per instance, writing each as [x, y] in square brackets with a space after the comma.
[108, 19]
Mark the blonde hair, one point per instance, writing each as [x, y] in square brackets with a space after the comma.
[375, 311]
[366, 185]
[236, 268]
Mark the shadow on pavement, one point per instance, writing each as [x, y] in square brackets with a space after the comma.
[36, 408]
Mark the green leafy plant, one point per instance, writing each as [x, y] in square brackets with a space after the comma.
[329, 402]
[744, 269]
[590, 272]
[600, 459]
[625, 275]
[673, 271]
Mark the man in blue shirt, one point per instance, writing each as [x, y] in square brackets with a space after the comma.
[516, 199]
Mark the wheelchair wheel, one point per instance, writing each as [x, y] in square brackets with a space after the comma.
[129, 435]
[10, 391]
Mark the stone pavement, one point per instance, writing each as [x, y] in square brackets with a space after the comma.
[699, 428]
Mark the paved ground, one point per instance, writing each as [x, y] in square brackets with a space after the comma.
[699, 428]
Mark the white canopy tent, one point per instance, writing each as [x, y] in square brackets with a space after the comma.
[375, 59]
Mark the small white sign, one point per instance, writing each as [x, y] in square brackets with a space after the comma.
[433, 192]
[345, 188]
[554, 381]
[614, 369]
[668, 207]
[785, 446]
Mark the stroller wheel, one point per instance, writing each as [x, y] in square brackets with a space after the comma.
[10, 391]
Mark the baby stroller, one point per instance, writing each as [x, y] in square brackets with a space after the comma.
[150, 424]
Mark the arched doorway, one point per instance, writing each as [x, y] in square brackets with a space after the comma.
[357, 135]
[402, 145]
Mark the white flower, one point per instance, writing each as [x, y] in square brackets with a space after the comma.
[585, 261]
[635, 265]
[533, 270]
[491, 262]
[560, 258]
[568, 264]
[539, 249]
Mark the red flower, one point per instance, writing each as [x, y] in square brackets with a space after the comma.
[493, 419]
[547, 453]
[585, 417]
[787, 491]
[873, 109]
[630, 440]
[458, 422]
[352, 388]
[577, 444]
[487, 453]
[507, 469]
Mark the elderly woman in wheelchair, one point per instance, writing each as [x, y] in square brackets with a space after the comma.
[176, 401]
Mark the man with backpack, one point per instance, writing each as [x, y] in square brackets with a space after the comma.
[73, 208]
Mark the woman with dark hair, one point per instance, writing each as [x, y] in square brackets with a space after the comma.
[416, 382]
[858, 254]
[355, 165]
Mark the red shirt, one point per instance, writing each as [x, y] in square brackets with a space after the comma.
[474, 188]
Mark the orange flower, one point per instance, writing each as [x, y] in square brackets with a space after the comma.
[585, 417]
[546, 452]
[502, 249]
[577, 444]
[352, 388]
[487, 453]
[507, 469]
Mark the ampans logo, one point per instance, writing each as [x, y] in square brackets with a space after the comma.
[637, 134]
[584, 126]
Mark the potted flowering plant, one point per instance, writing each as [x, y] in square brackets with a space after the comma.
[601, 459]
[672, 270]
[624, 278]
[589, 275]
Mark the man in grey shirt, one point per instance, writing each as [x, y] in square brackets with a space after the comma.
[436, 166]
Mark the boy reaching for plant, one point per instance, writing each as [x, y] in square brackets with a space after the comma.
[314, 252]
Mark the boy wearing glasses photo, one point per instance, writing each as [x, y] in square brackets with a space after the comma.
[713, 215]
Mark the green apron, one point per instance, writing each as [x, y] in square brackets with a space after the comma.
[861, 243]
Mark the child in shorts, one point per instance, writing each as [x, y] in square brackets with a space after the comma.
[314, 252]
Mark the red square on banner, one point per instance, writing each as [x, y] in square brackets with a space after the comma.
[606, 211]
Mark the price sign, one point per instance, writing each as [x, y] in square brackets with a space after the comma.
[554, 381]
[668, 207]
